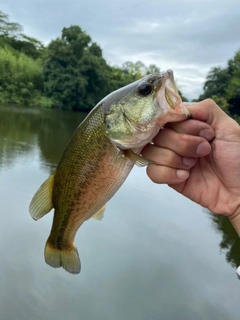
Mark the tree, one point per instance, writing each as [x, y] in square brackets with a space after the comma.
[70, 73]
[75, 74]
[11, 34]
[133, 71]
[216, 83]
[7, 28]
[152, 68]
[221, 102]
[223, 85]
[233, 88]
[182, 96]
[28, 45]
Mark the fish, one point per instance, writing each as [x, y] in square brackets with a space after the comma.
[99, 157]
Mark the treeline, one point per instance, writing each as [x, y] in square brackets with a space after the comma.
[20, 64]
[70, 73]
[223, 86]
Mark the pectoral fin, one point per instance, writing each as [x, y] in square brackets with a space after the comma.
[41, 202]
[99, 215]
[137, 159]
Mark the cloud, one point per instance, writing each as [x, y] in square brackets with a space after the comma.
[188, 36]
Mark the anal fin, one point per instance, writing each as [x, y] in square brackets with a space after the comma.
[99, 215]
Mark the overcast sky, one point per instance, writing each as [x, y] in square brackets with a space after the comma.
[188, 36]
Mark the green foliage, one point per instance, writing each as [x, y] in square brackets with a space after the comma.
[8, 29]
[152, 68]
[182, 96]
[11, 34]
[30, 46]
[233, 88]
[127, 73]
[75, 74]
[134, 71]
[20, 77]
[216, 83]
[44, 102]
[221, 102]
[70, 73]
[223, 86]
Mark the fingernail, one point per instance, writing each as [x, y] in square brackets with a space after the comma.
[189, 161]
[203, 149]
[182, 174]
[206, 134]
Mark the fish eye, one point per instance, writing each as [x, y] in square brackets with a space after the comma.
[145, 88]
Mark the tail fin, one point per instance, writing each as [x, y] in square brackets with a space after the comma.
[68, 258]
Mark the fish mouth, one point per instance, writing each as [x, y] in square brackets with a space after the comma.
[168, 97]
[171, 91]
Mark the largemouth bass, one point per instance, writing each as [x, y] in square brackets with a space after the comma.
[99, 157]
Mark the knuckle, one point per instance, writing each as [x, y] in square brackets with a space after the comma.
[184, 142]
[155, 173]
[211, 102]
[173, 159]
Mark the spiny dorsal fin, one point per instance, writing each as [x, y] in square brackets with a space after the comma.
[99, 215]
[137, 159]
[41, 202]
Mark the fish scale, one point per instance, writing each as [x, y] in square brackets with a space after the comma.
[98, 172]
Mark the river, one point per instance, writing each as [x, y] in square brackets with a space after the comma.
[155, 254]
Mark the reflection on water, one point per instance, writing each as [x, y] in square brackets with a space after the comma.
[230, 240]
[24, 128]
[155, 255]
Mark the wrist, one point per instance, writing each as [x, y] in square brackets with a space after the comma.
[235, 220]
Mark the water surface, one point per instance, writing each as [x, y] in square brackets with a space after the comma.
[155, 255]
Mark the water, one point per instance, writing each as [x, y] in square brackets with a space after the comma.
[155, 255]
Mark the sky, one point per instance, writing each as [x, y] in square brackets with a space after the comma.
[189, 37]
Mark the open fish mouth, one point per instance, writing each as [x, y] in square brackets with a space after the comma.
[171, 92]
[169, 101]
[168, 97]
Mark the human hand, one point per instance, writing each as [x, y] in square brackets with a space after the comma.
[211, 175]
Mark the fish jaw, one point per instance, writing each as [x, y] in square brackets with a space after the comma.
[169, 101]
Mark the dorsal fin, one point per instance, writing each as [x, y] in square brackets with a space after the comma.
[41, 202]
